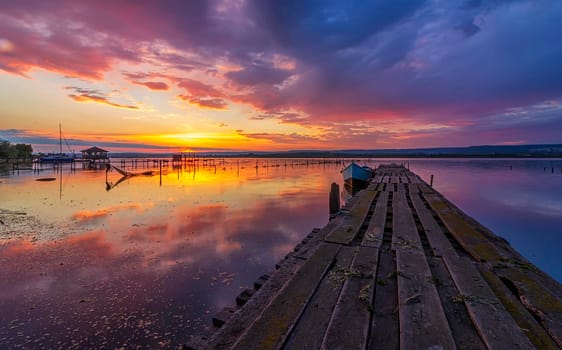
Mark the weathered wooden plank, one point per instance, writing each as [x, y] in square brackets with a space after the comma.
[349, 326]
[540, 300]
[345, 232]
[423, 324]
[400, 187]
[425, 188]
[276, 320]
[394, 179]
[536, 333]
[375, 230]
[310, 242]
[495, 325]
[309, 332]
[404, 178]
[413, 178]
[537, 299]
[385, 326]
[227, 335]
[474, 242]
[413, 188]
[464, 332]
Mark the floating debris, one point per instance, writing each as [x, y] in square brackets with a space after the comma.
[46, 179]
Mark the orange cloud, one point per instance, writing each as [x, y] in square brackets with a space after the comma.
[209, 103]
[99, 99]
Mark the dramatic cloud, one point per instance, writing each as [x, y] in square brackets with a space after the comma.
[199, 89]
[44, 142]
[411, 70]
[153, 85]
[141, 79]
[91, 95]
[258, 74]
[285, 117]
[210, 103]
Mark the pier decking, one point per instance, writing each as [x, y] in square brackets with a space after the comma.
[399, 268]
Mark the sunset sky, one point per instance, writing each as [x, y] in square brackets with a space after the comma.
[203, 75]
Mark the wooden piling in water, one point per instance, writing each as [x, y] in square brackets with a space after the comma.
[334, 199]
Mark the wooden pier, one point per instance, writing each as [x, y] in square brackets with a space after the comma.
[400, 267]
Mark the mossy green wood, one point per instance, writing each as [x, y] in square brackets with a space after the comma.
[474, 242]
[530, 284]
[495, 325]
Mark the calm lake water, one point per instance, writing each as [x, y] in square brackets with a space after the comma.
[89, 262]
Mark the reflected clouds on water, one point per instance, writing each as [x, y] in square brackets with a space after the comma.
[154, 268]
[149, 264]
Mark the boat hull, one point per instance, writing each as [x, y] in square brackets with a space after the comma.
[57, 159]
[355, 175]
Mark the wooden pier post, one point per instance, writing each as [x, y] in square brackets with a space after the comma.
[160, 172]
[334, 199]
[431, 181]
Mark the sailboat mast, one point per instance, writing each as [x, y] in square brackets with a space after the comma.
[60, 139]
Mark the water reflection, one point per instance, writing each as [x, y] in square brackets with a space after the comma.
[150, 264]
[150, 261]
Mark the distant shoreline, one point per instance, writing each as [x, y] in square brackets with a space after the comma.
[520, 151]
[336, 156]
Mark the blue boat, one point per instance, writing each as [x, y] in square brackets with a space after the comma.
[356, 175]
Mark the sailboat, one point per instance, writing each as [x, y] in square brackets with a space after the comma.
[60, 157]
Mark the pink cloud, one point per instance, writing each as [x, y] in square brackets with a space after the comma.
[144, 79]
[197, 88]
[56, 48]
[153, 85]
[404, 65]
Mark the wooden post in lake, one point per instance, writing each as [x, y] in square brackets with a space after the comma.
[431, 181]
[160, 172]
[334, 199]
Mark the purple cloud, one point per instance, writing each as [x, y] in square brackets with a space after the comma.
[460, 65]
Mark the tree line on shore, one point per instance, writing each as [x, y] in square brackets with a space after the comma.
[9, 150]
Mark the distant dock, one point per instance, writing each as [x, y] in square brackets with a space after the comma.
[400, 267]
